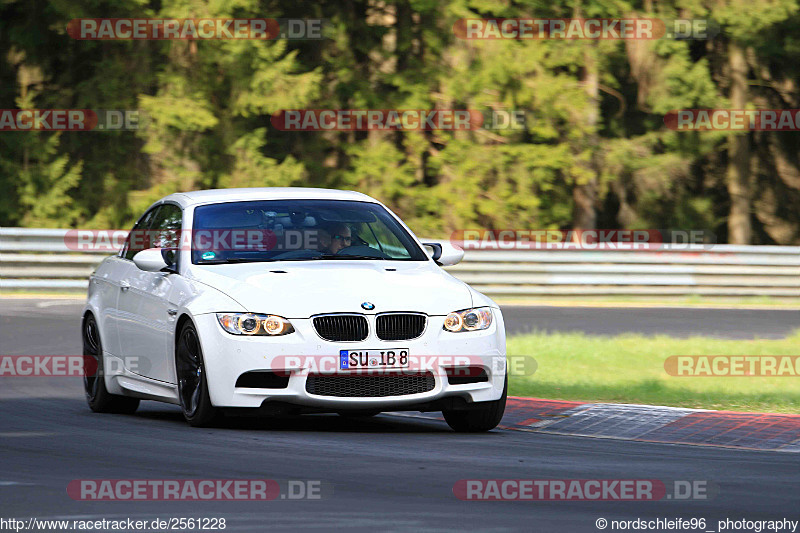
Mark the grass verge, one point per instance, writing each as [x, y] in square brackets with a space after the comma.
[743, 302]
[630, 369]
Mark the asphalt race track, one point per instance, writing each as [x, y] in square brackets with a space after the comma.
[675, 322]
[386, 473]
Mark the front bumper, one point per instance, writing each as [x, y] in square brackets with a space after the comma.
[303, 352]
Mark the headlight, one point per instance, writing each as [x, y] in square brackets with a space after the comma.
[253, 324]
[469, 320]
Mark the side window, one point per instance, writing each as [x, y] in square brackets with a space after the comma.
[165, 232]
[166, 227]
[365, 234]
[137, 239]
[384, 240]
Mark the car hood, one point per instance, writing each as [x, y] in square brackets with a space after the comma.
[300, 289]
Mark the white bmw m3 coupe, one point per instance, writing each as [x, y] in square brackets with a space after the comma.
[279, 301]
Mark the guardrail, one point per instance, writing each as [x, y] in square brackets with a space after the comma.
[40, 259]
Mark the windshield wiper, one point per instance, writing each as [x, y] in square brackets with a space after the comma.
[313, 258]
[336, 256]
[230, 260]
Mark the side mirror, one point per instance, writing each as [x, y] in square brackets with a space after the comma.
[444, 253]
[151, 260]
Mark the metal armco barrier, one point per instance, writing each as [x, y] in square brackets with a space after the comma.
[41, 259]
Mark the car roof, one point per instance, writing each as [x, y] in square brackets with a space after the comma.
[211, 196]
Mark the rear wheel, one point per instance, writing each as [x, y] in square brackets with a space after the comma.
[97, 396]
[192, 382]
[482, 417]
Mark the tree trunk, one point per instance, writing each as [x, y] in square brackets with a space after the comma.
[740, 229]
[584, 194]
[404, 27]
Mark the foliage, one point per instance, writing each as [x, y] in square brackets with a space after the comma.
[593, 114]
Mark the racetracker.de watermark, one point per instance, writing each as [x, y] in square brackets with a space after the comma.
[733, 119]
[598, 239]
[47, 365]
[156, 29]
[67, 365]
[733, 365]
[583, 490]
[397, 119]
[216, 240]
[376, 362]
[195, 489]
[70, 119]
[584, 28]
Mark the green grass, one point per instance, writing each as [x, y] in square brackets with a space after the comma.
[630, 369]
[653, 301]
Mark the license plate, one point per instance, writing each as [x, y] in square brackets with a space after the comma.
[355, 359]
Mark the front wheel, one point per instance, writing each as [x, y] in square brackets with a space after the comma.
[192, 382]
[482, 417]
[94, 384]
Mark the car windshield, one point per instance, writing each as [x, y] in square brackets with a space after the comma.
[299, 230]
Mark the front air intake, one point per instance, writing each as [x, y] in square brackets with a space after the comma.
[399, 326]
[263, 379]
[379, 386]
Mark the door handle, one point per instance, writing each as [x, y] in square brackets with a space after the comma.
[124, 286]
[172, 312]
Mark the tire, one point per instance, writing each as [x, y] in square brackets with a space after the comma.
[94, 384]
[192, 383]
[484, 416]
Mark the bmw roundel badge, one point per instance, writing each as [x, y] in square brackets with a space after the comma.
[369, 306]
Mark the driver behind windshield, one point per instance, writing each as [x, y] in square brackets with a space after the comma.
[334, 237]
